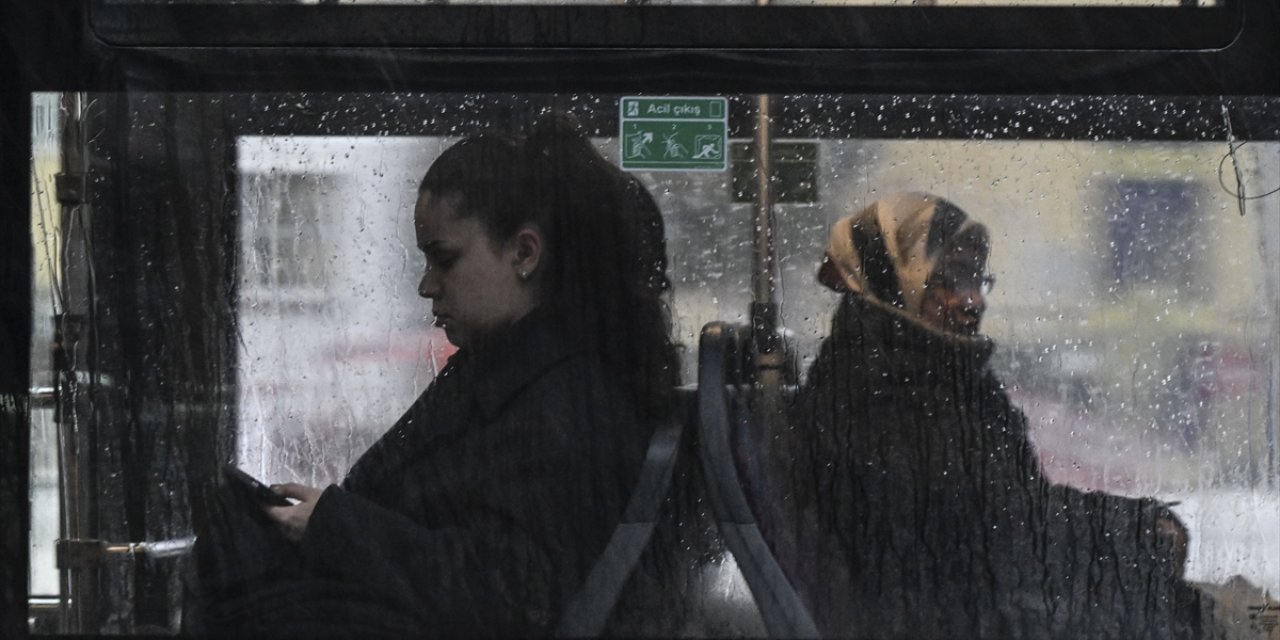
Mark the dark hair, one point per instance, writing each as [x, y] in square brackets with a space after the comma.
[604, 256]
[486, 173]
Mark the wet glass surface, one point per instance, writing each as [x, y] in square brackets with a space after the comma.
[262, 310]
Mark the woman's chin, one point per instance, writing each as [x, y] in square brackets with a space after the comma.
[454, 337]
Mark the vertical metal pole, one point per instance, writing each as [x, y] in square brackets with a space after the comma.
[70, 348]
[66, 451]
[768, 355]
[763, 280]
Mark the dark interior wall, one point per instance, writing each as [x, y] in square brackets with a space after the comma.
[163, 256]
[15, 341]
[31, 64]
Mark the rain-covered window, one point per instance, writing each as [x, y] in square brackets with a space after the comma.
[240, 286]
[45, 482]
[317, 207]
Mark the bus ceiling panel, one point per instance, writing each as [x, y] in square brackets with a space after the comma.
[126, 23]
[1233, 72]
[58, 48]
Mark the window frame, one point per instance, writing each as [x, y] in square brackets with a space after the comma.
[866, 28]
[1207, 60]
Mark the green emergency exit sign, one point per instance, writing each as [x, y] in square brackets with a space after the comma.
[674, 134]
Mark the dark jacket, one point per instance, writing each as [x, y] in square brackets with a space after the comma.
[917, 507]
[486, 504]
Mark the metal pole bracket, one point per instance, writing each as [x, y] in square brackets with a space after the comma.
[71, 188]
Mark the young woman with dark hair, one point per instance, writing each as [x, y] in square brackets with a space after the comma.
[482, 510]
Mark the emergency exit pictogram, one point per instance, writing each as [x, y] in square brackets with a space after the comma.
[674, 133]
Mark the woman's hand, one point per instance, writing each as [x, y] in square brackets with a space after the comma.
[292, 520]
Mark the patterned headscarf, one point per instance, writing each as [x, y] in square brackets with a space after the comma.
[891, 248]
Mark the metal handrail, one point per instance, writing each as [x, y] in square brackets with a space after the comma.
[43, 397]
[81, 554]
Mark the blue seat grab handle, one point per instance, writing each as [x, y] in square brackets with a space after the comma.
[588, 610]
[783, 612]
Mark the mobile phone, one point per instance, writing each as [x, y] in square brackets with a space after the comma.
[253, 487]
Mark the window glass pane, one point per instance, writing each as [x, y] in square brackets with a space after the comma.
[328, 306]
[254, 270]
[45, 225]
[1125, 325]
[1132, 308]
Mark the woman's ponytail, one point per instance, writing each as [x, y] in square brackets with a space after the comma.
[610, 271]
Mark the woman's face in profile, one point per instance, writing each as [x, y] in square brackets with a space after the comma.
[954, 297]
[473, 283]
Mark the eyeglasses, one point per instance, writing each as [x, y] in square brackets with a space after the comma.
[963, 282]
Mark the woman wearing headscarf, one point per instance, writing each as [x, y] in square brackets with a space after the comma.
[918, 507]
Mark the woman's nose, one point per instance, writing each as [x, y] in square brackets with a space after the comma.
[428, 287]
[974, 302]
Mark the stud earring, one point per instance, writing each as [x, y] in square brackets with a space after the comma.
[524, 275]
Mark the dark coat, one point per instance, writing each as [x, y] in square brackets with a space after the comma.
[916, 507]
[485, 506]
